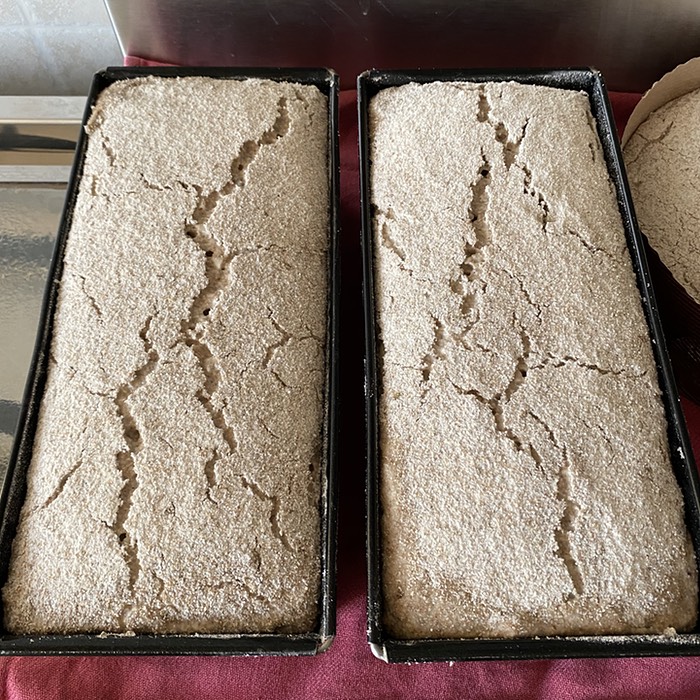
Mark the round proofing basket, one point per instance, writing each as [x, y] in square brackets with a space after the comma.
[680, 313]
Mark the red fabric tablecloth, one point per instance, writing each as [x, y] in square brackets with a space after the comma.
[348, 669]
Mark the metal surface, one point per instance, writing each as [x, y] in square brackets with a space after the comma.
[633, 42]
[37, 141]
[38, 132]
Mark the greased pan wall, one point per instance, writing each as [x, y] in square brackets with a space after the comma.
[395, 650]
[15, 482]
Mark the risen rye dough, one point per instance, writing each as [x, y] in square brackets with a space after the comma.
[175, 480]
[525, 474]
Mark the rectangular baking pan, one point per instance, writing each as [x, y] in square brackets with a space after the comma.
[14, 487]
[398, 650]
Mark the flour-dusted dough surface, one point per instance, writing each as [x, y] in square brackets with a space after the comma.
[175, 482]
[662, 158]
[526, 482]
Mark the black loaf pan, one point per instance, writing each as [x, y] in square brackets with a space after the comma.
[15, 482]
[400, 650]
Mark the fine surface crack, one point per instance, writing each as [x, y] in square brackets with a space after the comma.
[108, 150]
[495, 403]
[274, 511]
[382, 219]
[592, 149]
[648, 142]
[562, 534]
[158, 188]
[578, 362]
[239, 583]
[267, 429]
[278, 379]
[93, 303]
[530, 189]
[301, 99]
[161, 585]
[61, 485]
[510, 148]
[494, 406]
[390, 243]
[526, 293]
[592, 145]
[212, 476]
[593, 249]
[285, 338]
[484, 109]
[437, 349]
[521, 366]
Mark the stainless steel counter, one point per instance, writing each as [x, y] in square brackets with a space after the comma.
[37, 140]
[633, 42]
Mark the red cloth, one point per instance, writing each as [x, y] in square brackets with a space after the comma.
[348, 669]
